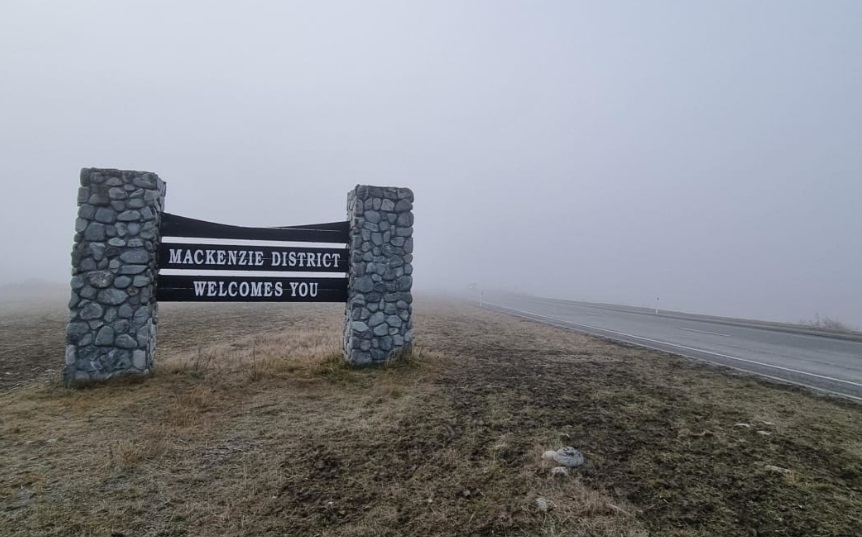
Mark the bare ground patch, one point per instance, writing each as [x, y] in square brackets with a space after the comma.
[253, 426]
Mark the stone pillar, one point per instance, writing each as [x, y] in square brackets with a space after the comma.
[113, 310]
[379, 317]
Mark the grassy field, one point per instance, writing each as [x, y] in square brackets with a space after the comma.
[252, 425]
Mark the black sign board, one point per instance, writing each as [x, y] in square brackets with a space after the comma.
[191, 258]
[180, 226]
[252, 258]
[250, 289]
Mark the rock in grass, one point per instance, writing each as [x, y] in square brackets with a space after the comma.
[777, 469]
[569, 456]
[560, 471]
[543, 504]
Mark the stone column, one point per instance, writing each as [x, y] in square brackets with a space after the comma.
[113, 310]
[379, 318]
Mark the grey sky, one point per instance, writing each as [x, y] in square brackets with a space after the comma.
[709, 153]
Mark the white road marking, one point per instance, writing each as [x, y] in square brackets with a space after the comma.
[704, 332]
[685, 347]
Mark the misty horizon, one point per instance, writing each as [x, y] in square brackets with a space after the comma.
[702, 158]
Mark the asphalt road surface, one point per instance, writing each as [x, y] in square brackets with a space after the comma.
[817, 360]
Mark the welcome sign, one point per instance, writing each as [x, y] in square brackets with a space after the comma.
[192, 260]
[128, 255]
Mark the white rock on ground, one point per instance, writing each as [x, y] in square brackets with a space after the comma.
[777, 469]
[569, 456]
[543, 504]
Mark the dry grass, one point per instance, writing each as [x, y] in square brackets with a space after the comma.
[253, 425]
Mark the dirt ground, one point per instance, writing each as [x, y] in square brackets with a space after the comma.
[253, 426]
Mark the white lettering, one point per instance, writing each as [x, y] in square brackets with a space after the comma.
[337, 257]
[256, 289]
[210, 258]
[201, 262]
[292, 257]
[176, 256]
[188, 259]
[233, 289]
[200, 288]
[258, 258]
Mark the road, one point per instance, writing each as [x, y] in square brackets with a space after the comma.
[819, 361]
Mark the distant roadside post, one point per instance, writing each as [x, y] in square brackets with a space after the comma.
[129, 255]
[474, 288]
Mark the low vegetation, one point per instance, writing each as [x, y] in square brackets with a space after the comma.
[828, 324]
[253, 425]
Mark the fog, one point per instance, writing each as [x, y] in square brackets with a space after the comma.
[705, 154]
